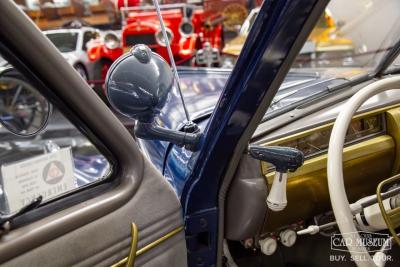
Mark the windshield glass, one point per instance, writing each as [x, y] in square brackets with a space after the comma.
[355, 37]
[395, 65]
[345, 43]
[248, 23]
[64, 41]
[3, 62]
[349, 40]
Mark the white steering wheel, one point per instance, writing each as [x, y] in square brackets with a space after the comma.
[339, 201]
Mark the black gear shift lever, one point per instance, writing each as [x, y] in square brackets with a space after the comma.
[284, 159]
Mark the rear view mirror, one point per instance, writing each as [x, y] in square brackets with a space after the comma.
[23, 110]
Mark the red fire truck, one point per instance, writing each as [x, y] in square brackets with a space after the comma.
[190, 29]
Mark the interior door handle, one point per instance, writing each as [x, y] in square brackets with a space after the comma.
[133, 248]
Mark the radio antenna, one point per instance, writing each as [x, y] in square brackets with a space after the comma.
[171, 57]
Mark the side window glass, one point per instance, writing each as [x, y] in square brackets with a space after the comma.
[41, 152]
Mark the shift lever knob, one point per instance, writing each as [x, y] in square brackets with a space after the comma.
[284, 159]
[276, 199]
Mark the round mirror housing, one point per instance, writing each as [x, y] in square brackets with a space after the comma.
[23, 110]
[138, 84]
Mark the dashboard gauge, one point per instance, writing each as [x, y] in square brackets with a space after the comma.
[317, 142]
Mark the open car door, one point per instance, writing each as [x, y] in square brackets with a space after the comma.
[89, 222]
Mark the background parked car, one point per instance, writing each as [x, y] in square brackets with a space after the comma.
[73, 44]
[189, 28]
[326, 43]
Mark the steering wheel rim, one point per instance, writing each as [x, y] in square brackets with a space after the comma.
[337, 193]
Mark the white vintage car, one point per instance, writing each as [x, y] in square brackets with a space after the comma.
[72, 44]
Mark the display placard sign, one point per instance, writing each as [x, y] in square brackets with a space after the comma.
[47, 175]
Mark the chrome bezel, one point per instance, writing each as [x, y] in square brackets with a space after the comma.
[107, 43]
[157, 36]
[181, 32]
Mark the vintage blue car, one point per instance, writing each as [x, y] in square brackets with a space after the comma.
[267, 164]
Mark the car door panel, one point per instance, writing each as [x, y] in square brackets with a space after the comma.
[90, 227]
[106, 240]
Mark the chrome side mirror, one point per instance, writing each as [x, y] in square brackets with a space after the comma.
[23, 110]
[137, 86]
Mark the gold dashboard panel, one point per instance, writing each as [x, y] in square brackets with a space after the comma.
[366, 163]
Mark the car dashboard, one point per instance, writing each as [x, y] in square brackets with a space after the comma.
[371, 154]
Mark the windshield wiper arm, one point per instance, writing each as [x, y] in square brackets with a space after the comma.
[278, 98]
[344, 82]
[5, 219]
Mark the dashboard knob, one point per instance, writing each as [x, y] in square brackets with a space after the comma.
[288, 237]
[268, 246]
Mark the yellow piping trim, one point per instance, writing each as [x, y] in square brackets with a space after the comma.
[149, 246]
[134, 243]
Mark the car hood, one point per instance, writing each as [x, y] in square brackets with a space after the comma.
[202, 88]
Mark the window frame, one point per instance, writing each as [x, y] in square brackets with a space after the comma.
[77, 195]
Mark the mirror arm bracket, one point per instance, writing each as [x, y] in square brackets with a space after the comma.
[150, 131]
